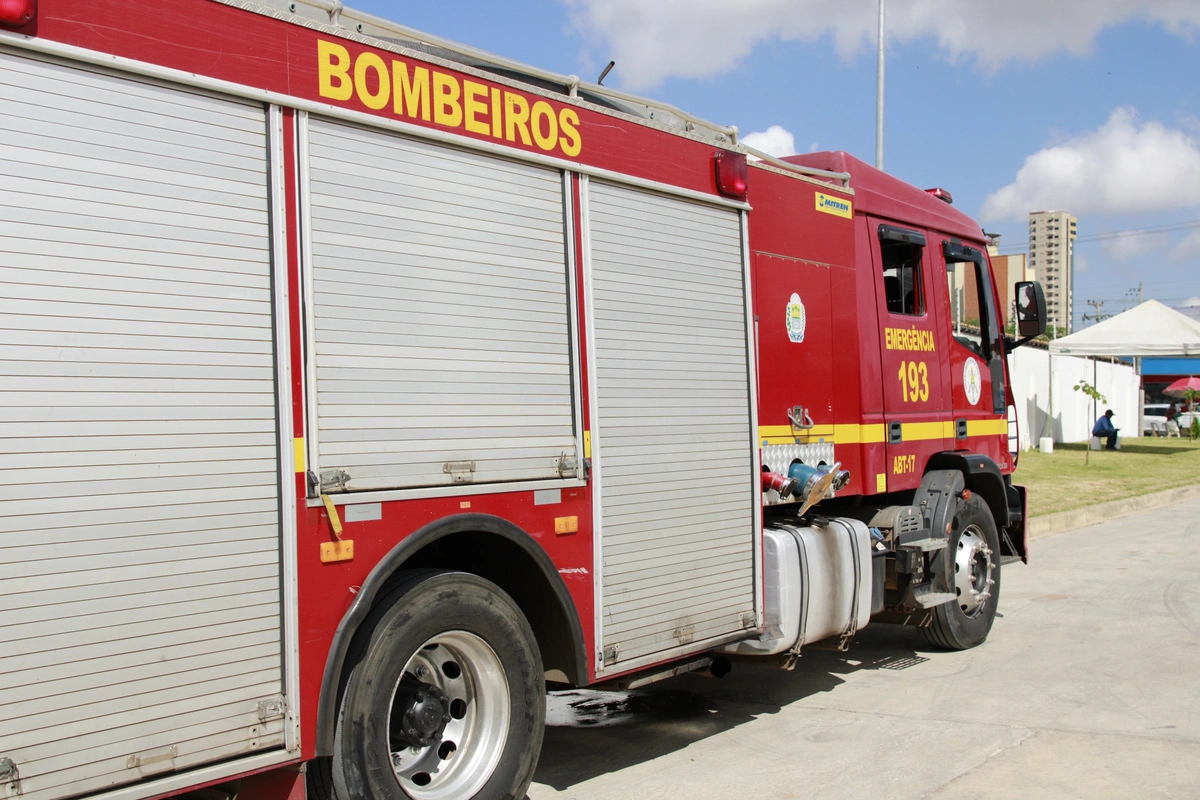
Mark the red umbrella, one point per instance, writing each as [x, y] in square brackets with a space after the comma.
[1180, 386]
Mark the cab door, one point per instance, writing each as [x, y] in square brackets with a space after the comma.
[915, 399]
[977, 373]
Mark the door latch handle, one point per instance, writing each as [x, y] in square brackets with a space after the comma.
[799, 417]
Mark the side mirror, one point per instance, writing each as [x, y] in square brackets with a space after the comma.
[1031, 309]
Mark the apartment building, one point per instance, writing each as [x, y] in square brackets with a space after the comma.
[1052, 260]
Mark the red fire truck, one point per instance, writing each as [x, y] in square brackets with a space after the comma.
[357, 384]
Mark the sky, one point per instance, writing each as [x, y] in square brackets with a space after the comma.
[1087, 106]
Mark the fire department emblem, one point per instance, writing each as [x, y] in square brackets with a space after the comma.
[796, 319]
[972, 381]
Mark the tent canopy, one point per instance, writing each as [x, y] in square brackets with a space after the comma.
[1148, 330]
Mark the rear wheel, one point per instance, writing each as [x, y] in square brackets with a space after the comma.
[972, 559]
[448, 702]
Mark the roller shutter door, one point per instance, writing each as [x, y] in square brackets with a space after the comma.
[139, 504]
[440, 306]
[673, 436]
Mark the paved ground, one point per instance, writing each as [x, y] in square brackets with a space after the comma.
[1089, 687]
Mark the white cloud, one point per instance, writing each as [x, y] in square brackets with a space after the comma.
[774, 141]
[652, 40]
[1122, 167]
[1187, 248]
[1127, 248]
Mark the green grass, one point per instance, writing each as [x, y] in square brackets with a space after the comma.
[1061, 482]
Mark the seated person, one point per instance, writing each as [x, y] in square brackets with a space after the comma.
[1173, 420]
[1104, 428]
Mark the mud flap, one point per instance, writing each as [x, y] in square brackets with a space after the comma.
[1014, 539]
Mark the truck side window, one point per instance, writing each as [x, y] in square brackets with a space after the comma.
[902, 277]
[964, 305]
[972, 315]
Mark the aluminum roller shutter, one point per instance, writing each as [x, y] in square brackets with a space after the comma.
[672, 420]
[139, 500]
[440, 305]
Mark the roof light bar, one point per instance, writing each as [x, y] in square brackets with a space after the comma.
[942, 194]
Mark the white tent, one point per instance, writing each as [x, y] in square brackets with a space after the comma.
[1149, 330]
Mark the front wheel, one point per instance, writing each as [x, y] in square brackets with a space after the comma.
[972, 558]
[448, 702]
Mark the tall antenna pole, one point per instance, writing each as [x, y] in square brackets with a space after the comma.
[879, 97]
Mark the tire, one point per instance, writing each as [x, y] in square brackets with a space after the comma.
[455, 652]
[972, 558]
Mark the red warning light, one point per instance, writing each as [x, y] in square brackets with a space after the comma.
[731, 174]
[17, 13]
[941, 194]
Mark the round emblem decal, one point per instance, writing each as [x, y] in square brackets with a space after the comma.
[972, 381]
[796, 319]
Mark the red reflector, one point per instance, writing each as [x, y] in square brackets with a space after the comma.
[731, 174]
[941, 194]
[15, 13]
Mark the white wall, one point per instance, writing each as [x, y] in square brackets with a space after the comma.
[1041, 394]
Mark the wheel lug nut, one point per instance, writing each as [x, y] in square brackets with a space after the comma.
[422, 672]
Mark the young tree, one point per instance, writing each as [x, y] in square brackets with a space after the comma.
[1190, 396]
[1094, 393]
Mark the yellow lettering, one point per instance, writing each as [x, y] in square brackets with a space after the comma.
[570, 142]
[365, 62]
[472, 107]
[909, 339]
[333, 69]
[516, 118]
[497, 117]
[543, 111]
[411, 97]
[446, 108]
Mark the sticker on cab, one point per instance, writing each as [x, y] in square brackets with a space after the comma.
[972, 381]
[796, 318]
[834, 205]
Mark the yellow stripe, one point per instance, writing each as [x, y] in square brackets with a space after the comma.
[924, 431]
[987, 427]
[872, 434]
[863, 434]
[587, 444]
[834, 434]
[298, 448]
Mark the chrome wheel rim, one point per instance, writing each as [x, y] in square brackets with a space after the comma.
[973, 571]
[461, 672]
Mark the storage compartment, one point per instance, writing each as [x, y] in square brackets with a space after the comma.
[818, 584]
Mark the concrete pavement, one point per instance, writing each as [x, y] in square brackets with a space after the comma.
[1089, 686]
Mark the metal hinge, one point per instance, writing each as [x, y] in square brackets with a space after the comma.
[749, 619]
[684, 634]
[272, 708]
[460, 471]
[334, 480]
[10, 777]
